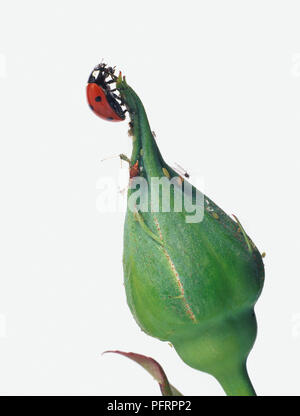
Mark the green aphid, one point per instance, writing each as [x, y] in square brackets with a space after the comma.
[193, 284]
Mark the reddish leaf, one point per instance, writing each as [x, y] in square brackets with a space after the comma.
[154, 369]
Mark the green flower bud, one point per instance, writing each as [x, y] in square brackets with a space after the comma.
[190, 279]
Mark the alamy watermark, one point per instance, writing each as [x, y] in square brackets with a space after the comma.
[157, 195]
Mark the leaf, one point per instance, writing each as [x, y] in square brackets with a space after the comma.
[154, 368]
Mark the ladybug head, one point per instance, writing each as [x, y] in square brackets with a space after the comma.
[100, 74]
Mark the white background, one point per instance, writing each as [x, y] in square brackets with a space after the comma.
[220, 82]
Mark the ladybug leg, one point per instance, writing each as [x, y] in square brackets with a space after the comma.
[116, 95]
[119, 98]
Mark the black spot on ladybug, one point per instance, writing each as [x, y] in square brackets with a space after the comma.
[98, 98]
[91, 107]
[109, 118]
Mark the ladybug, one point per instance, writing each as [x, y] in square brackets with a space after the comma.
[101, 98]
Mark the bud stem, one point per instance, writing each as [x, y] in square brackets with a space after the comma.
[237, 383]
[142, 134]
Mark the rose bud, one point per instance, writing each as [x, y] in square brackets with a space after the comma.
[192, 274]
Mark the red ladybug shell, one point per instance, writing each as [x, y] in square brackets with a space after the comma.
[99, 101]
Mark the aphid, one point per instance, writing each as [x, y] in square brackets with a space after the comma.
[181, 171]
[134, 170]
[166, 172]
